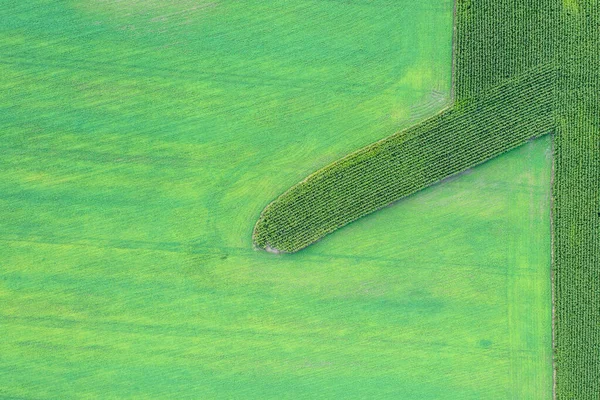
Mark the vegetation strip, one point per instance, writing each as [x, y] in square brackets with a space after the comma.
[576, 198]
[523, 68]
[395, 167]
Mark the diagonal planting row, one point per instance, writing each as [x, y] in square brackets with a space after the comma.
[448, 143]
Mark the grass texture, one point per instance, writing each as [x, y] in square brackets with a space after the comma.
[141, 139]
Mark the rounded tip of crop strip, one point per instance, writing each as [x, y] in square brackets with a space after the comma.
[260, 238]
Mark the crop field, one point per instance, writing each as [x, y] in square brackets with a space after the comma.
[140, 142]
[504, 96]
[522, 69]
[576, 206]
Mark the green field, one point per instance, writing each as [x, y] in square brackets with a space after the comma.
[140, 142]
[522, 69]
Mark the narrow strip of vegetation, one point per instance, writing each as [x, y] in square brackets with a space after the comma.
[468, 133]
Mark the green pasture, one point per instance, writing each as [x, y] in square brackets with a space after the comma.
[141, 140]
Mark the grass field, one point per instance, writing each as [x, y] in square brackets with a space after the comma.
[140, 143]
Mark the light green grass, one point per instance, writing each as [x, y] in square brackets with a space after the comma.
[137, 153]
